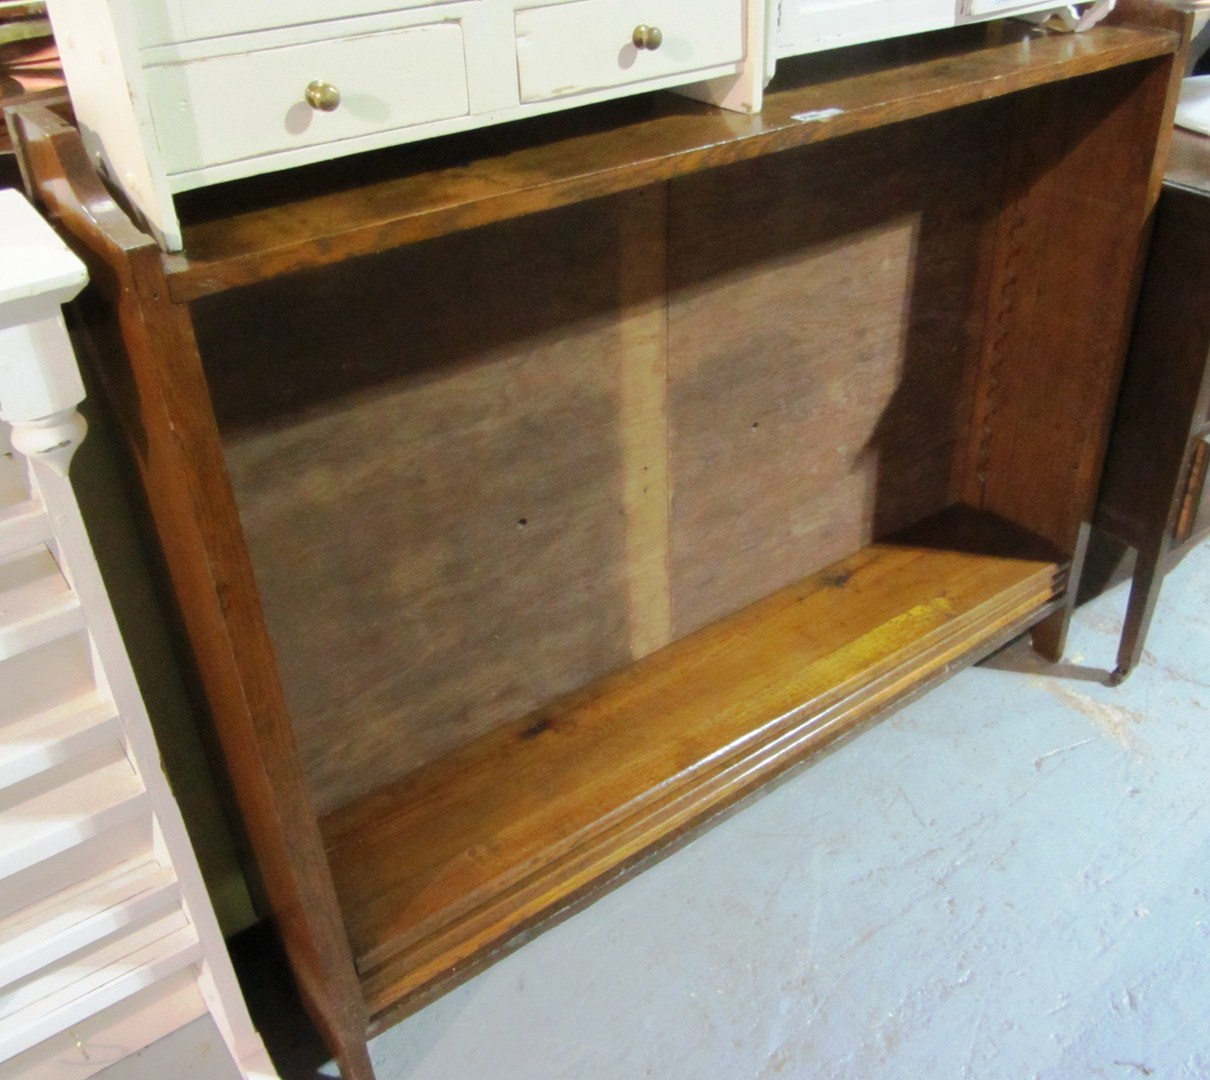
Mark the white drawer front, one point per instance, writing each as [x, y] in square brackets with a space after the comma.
[162, 22]
[991, 8]
[586, 45]
[807, 25]
[228, 108]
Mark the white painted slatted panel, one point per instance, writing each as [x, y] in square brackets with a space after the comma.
[52, 812]
[36, 603]
[51, 1003]
[128, 842]
[122, 896]
[104, 1039]
[23, 525]
[107, 940]
[54, 736]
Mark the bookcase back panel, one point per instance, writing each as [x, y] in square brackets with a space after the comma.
[433, 493]
[822, 326]
[504, 463]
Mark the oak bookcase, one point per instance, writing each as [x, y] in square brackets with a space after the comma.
[530, 496]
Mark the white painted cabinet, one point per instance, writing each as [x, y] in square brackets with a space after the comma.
[107, 938]
[177, 94]
[172, 95]
[805, 26]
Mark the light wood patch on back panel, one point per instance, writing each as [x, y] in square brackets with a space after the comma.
[820, 359]
[454, 492]
[572, 438]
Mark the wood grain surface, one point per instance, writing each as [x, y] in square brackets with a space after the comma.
[254, 230]
[472, 845]
[820, 360]
[488, 447]
[453, 519]
[1060, 324]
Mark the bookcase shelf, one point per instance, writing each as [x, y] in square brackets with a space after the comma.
[458, 854]
[530, 496]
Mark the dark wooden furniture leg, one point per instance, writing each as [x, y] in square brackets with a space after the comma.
[1152, 497]
[1144, 592]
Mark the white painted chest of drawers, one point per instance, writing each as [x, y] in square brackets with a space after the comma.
[177, 94]
[804, 26]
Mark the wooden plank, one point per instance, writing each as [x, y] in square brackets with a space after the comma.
[451, 955]
[532, 801]
[27, 692]
[1193, 517]
[446, 515]
[819, 362]
[416, 193]
[1057, 326]
[113, 972]
[23, 525]
[1059, 332]
[643, 421]
[96, 1042]
[130, 841]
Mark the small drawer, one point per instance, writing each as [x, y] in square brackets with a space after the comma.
[813, 25]
[989, 9]
[166, 22]
[586, 45]
[229, 108]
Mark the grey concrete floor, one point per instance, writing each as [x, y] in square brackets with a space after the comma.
[1009, 879]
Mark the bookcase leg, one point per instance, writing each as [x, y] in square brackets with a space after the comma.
[1049, 637]
[354, 1061]
[1144, 589]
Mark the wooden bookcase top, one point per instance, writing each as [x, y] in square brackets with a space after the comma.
[246, 232]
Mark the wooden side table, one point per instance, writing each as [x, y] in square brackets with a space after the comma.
[1154, 493]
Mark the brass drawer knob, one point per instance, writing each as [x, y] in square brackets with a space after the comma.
[647, 37]
[322, 96]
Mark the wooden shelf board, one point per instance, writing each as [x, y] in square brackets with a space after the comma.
[473, 847]
[241, 233]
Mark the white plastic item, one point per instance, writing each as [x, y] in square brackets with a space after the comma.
[1193, 108]
[178, 94]
[107, 938]
[805, 26]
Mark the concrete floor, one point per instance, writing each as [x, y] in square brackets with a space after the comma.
[1009, 879]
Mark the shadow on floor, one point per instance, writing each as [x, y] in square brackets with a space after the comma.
[1018, 656]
